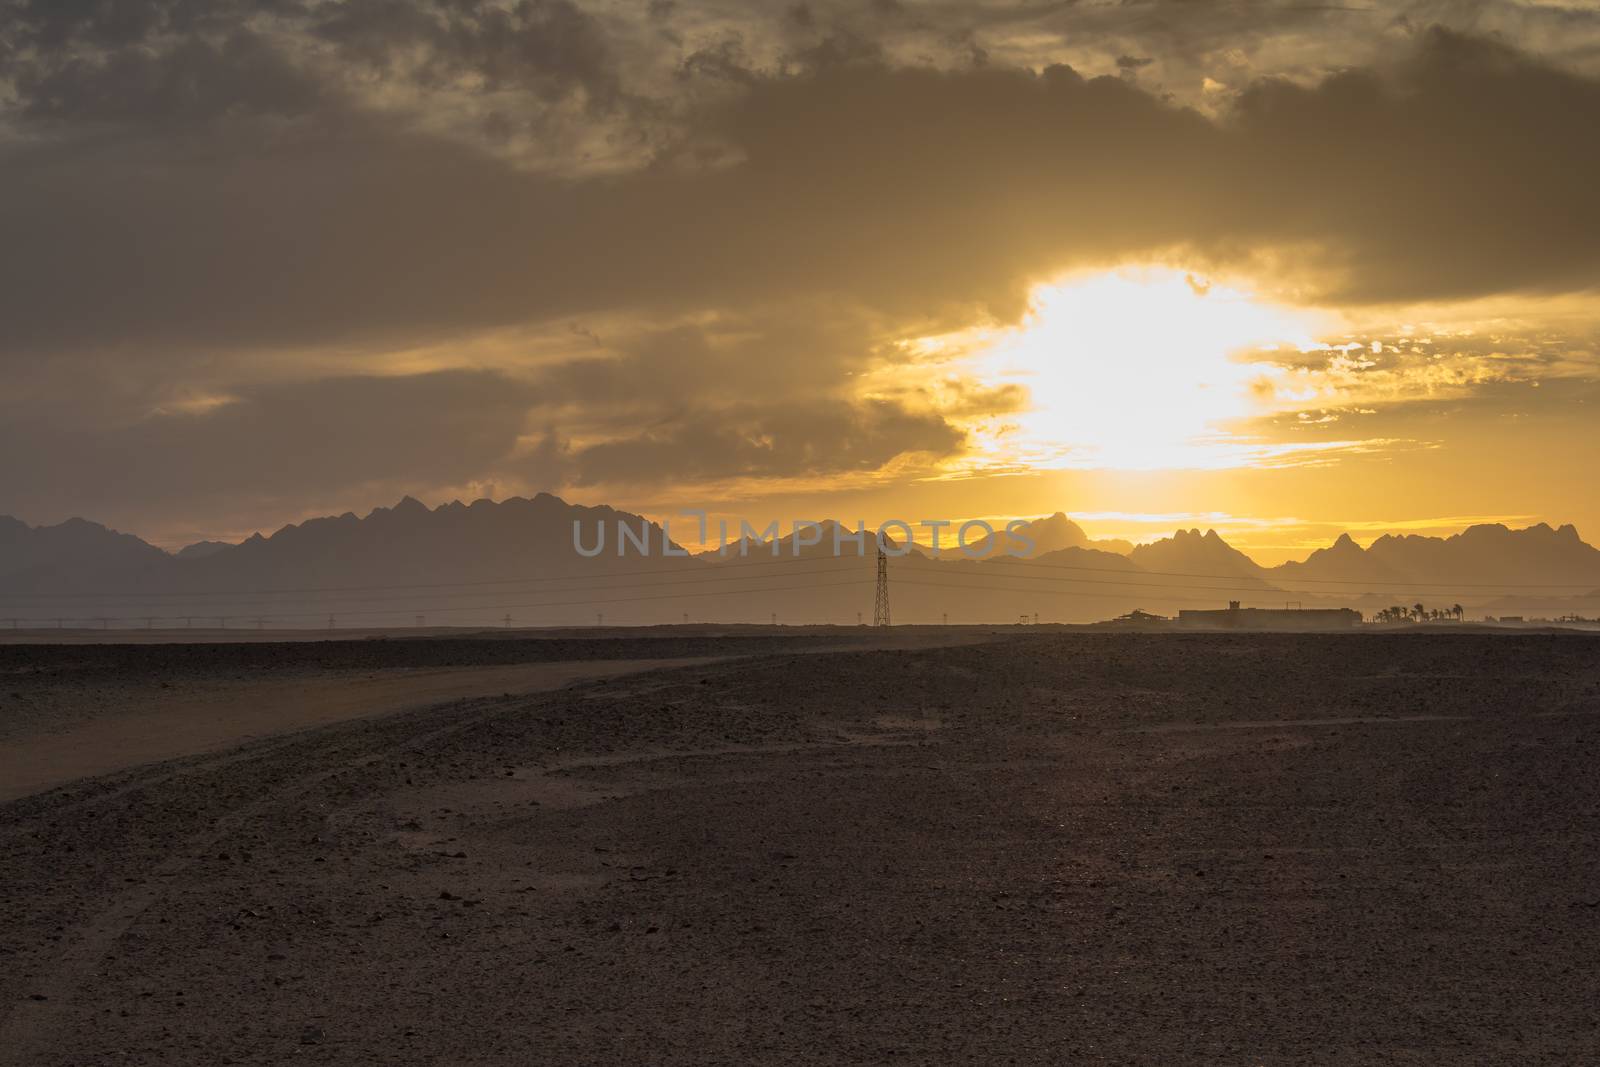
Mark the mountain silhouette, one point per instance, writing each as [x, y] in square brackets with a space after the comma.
[1049, 534]
[811, 545]
[201, 549]
[1492, 553]
[1189, 552]
[74, 555]
[473, 564]
[454, 542]
[1342, 560]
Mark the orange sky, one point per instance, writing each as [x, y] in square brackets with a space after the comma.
[1277, 270]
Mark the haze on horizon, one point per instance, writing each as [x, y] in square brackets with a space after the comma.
[1278, 270]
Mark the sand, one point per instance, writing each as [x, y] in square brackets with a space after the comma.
[1097, 849]
[74, 712]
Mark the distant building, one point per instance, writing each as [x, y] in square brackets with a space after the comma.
[1134, 619]
[1139, 615]
[1234, 617]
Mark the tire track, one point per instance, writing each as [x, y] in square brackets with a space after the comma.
[26, 1029]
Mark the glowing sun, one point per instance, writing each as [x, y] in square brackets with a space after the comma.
[1138, 370]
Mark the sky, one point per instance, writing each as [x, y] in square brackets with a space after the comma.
[1281, 269]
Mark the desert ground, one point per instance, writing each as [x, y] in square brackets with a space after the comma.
[99, 706]
[996, 848]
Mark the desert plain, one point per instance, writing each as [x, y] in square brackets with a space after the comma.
[986, 846]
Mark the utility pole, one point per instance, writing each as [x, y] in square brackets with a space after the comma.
[222, 623]
[686, 618]
[774, 618]
[880, 604]
[507, 620]
[330, 622]
[599, 618]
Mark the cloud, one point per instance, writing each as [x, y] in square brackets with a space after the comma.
[284, 446]
[548, 47]
[771, 393]
[1459, 172]
[769, 443]
[268, 201]
[1424, 364]
[194, 80]
[1456, 173]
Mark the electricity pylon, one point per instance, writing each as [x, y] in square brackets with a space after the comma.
[880, 604]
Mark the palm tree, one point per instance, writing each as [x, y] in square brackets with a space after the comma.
[1417, 610]
[1458, 612]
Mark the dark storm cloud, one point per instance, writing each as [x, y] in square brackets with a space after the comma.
[286, 442]
[173, 60]
[56, 26]
[187, 184]
[796, 440]
[548, 46]
[770, 354]
[1462, 171]
[765, 394]
[195, 80]
[161, 59]
[848, 182]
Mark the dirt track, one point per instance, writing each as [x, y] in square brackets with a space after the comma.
[1162, 849]
[75, 711]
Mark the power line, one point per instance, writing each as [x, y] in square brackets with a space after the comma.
[389, 587]
[670, 579]
[552, 604]
[1320, 581]
[1058, 592]
[1242, 584]
[987, 575]
[657, 572]
[987, 578]
[715, 566]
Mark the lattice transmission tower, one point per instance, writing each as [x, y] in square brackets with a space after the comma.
[880, 604]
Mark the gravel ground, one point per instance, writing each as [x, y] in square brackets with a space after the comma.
[51, 688]
[1244, 849]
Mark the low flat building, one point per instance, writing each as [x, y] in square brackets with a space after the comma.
[1234, 617]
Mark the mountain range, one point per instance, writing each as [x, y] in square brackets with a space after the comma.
[476, 563]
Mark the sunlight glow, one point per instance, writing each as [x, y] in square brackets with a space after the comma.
[1141, 370]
